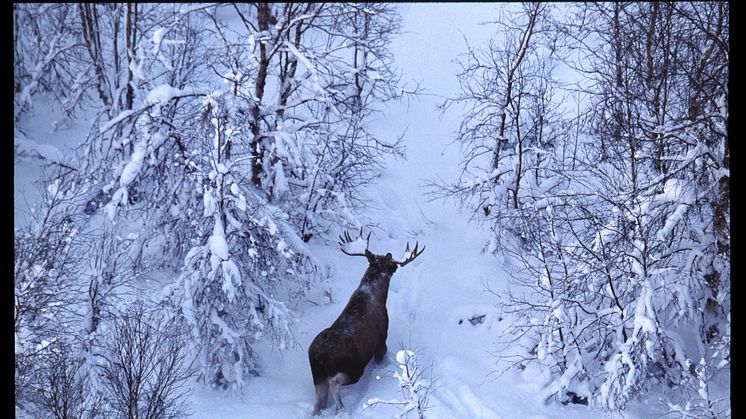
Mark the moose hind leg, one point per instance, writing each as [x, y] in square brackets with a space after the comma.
[339, 379]
[380, 352]
[322, 393]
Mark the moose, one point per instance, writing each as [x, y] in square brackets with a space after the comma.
[339, 354]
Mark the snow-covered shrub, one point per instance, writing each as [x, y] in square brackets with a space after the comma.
[145, 365]
[593, 316]
[511, 125]
[64, 390]
[413, 384]
[308, 87]
[618, 235]
[70, 271]
[707, 390]
[55, 382]
[46, 50]
[48, 256]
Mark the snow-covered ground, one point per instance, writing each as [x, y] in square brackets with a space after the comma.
[430, 301]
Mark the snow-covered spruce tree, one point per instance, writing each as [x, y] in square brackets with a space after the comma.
[244, 267]
[173, 177]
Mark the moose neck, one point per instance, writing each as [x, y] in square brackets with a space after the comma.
[376, 283]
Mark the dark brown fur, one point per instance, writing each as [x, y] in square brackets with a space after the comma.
[339, 354]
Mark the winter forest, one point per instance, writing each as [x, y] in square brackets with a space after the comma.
[190, 181]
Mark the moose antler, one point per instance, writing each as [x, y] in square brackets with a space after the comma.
[413, 255]
[345, 239]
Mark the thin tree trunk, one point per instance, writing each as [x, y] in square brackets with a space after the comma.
[511, 74]
[261, 81]
[89, 27]
[131, 36]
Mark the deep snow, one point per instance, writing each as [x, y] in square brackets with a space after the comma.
[430, 301]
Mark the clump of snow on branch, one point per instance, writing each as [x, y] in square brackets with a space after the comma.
[414, 387]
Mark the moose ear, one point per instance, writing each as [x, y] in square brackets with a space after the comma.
[388, 258]
[371, 257]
